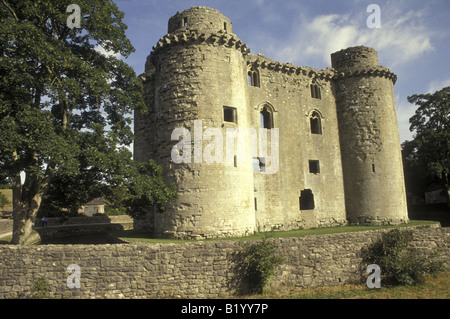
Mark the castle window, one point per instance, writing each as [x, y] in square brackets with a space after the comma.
[185, 22]
[316, 123]
[225, 26]
[306, 200]
[259, 164]
[256, 204]
[314, 167]
[253, 77]
[230, 114]
[266, 117]
[315, 91]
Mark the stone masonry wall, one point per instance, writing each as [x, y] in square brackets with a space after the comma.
[204, 269]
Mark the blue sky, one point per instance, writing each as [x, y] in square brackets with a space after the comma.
[413, 40]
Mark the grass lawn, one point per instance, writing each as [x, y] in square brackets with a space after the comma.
[433, 288]
[132, 236]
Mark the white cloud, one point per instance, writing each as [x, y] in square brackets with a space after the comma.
[438, 85]
[402, 38]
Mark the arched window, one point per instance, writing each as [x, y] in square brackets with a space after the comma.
[253, 77]
[315, 91]
[266, 116]
[316, 123]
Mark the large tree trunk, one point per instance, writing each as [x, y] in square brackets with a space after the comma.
[27, 200]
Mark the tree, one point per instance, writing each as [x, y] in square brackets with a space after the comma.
[429, 151]
[65, 107]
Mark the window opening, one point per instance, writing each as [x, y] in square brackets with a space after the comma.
[266, 118]
[256, 204]
[230, 114]
[315, 91]
[306, 200]
[253, 77]
[314, 167]
[316, 124]
[259, 164]
[185, 23]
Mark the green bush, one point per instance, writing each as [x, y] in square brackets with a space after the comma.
[260, 264]
[398, 265]
[40, 288]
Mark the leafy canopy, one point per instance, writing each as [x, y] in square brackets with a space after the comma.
[66, 106]
[429, 151]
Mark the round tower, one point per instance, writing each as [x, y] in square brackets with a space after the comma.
[195, 84]
[369, 138]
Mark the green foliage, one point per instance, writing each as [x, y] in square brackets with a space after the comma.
[66, 104]
[260, 263]
[398, 265]
[40, 288]
[427, 157]
[3, 201]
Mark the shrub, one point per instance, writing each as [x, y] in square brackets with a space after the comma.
[398, 265]
[40, 288]
[260, 264]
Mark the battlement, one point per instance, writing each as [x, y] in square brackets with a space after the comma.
[201, 19]
[187, 36]
[260, 61]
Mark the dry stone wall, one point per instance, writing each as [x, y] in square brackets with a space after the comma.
[204, 269]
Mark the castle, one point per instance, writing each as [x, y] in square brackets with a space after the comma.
[336, 152]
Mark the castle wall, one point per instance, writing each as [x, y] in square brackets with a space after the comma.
[278, 195]
[370, 142]
[192, 84]
[336, 145]
[205, 269]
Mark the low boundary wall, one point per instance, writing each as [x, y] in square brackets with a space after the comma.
[204, 269]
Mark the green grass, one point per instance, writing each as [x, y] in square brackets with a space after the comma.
[133, 237]
[434, 287]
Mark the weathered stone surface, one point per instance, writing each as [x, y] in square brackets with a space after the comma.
[339, 147]
[193, 270]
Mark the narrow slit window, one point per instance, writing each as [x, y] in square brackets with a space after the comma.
[256, 204]
[185, 22]
[230, 114]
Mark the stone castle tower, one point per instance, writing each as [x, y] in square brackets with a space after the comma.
[311, 148]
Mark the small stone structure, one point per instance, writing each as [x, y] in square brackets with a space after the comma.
[336, 158]
[204, 269]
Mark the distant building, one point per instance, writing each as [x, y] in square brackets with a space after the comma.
[95, 206]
